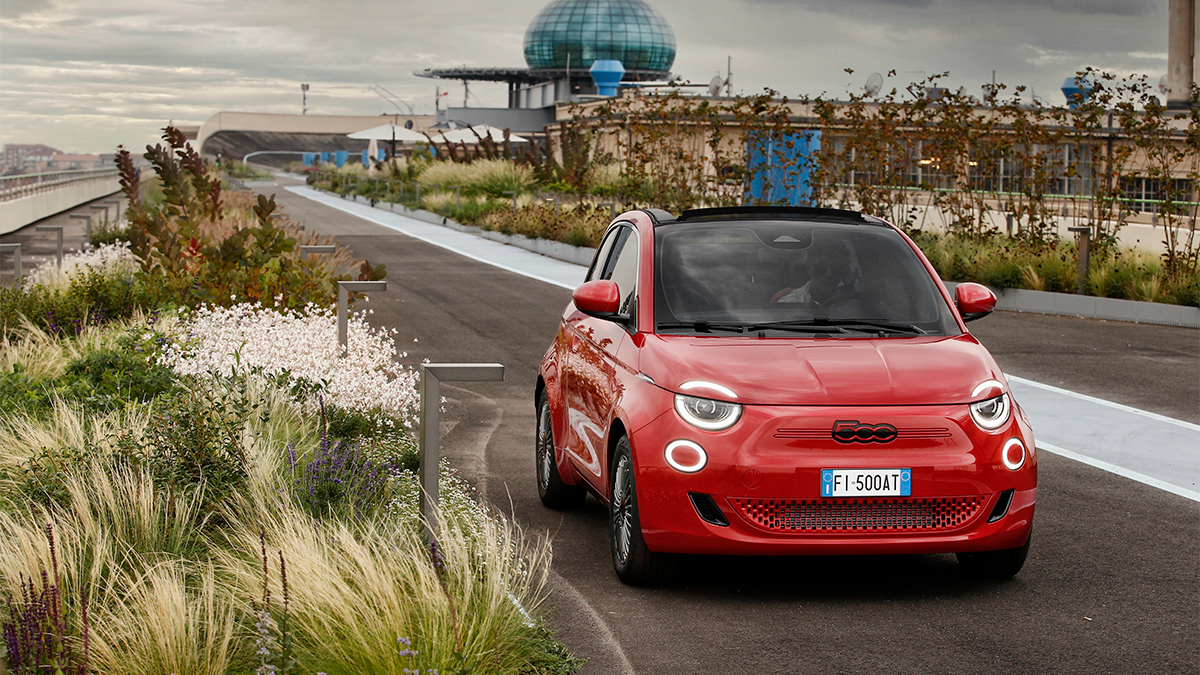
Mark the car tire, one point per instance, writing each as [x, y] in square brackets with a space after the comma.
[555, 494]
[635, 564]
[1003, 564]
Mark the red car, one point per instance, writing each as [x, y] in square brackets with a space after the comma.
[781, 381]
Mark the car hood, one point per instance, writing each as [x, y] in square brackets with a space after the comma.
[834, 372]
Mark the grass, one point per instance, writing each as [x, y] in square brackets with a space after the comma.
[1004, 262]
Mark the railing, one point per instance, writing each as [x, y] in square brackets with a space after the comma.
[14, 187]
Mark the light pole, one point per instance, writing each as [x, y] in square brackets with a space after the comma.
[304, 99]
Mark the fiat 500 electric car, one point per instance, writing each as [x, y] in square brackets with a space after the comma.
[787, 381]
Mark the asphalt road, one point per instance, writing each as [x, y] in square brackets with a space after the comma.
[1111, 584]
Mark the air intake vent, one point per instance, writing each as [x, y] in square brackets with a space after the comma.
[1001, 508]
[902, 514]
[708, 509]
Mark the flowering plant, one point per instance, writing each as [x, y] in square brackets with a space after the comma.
[301, 346]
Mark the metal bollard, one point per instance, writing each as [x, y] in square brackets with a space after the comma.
[87, 236]
[16, 251]
[612, 209]
[514, 196]
[458, 197]
[116, 204]
[1083, 240]
[432, 375]
[95, 207]
[306, 251]
[343, 305]
[59, 230]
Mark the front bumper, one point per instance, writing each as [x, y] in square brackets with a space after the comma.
[764, 474]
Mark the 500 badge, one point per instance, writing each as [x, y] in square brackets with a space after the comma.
[853, 431]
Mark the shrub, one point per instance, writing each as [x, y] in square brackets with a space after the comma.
[583, 225]
[491, 177]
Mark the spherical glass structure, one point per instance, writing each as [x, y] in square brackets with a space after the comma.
[629, 31]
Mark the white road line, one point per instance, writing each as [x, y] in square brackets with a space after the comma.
[1110, 404]
[445, 239]
[1120, 471]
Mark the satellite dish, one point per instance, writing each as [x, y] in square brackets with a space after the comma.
[874, 84]
[714, 86]
[1163, 87]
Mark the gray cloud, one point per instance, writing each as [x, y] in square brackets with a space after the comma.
[80, 78]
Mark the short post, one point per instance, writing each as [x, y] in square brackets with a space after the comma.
[458, 197]
[306, 251]
[116, 204]
[87, 233]
[514, 196]
[59, 229]
[418, 195]
[432, 375]
[345, 288]
[16, 251]
[612, 209]
[1083, 240]
[97, 207]
[1008, 223]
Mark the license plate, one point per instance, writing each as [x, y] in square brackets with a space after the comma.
[866, 482]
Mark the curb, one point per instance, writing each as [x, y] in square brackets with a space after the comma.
[578, 255]
[1091, 307]
[1007, 299]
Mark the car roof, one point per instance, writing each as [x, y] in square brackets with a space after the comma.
[767, 213]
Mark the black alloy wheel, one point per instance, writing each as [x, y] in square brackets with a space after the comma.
[552, 490]
[634, 563]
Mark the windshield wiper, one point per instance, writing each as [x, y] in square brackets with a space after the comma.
[702, 326]
[867, 325]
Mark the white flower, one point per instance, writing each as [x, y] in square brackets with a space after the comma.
[304, 345]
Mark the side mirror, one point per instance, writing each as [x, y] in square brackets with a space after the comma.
[599, 298]
[974, 301]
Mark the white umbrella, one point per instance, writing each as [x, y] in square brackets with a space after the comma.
[468, 135]
[390, 132]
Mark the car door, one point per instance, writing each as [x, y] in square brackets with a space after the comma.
[591, 383]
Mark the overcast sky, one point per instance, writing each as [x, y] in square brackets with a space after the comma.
[85, 75]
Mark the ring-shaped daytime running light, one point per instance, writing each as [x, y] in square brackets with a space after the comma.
[991, 414]
[1008, 449]
[707, 414]
[689, 464]
[986, 385]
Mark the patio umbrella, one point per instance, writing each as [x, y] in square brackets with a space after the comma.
[468, 136]
[390, 132]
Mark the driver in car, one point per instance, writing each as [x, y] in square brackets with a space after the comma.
[827, 263]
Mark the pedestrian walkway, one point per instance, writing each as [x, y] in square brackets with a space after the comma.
[1140, 445]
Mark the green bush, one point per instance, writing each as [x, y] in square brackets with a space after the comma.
[581, 226]
[90, 300]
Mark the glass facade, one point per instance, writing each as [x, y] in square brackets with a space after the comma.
[629, 31]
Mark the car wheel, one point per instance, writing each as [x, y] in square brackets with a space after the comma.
[554, 492]
[1003, 564]
[635, 564]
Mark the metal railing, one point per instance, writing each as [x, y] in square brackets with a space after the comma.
[14, 187]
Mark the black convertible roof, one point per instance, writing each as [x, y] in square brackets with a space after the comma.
[772, 213]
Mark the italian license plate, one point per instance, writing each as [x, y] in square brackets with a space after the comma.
[866, 482]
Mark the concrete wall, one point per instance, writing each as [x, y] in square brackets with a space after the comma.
[17, 213]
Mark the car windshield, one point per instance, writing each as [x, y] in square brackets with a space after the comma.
[793, 277]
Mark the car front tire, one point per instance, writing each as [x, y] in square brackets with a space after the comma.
[555, 494]
[1003, 564]
[635, 564]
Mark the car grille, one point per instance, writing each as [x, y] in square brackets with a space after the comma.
[893, 514]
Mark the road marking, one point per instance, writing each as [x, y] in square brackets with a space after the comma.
[1110, 404]
[450, 240]
[1121, 471]
[604, 632]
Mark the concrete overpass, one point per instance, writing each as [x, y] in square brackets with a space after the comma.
[29, 198]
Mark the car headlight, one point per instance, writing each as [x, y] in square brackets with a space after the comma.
[707, 414]
[991, 414]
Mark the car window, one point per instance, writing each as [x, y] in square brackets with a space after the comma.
[624, 267]
[598, 265]
[756, 272]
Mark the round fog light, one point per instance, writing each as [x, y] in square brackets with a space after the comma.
[1013, 454]
[685, 456]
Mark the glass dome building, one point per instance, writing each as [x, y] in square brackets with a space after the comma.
[576, 33]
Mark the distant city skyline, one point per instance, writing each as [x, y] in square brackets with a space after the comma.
[85, 76]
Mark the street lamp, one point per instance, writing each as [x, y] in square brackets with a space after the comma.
[304, 99]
